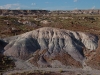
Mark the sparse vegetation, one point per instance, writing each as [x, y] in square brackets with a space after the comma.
[60, 70]
[5, 63]
[37, 73]
[80, 22]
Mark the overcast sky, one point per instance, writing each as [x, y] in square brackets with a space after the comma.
[50, 4]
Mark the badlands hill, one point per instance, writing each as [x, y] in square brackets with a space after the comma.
[51, 47]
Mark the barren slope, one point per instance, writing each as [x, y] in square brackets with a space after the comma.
[48, 46]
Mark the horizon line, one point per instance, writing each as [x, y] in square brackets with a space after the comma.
[51, 10]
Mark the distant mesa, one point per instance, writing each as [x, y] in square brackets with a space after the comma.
[45, 12]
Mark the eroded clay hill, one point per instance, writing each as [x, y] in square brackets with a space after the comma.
[51, 47]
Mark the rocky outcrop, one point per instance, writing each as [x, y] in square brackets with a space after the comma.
[94, 58]
[50, 42]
